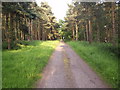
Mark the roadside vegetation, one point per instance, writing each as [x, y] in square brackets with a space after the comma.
[25, 22]
[102, 57]
[22, 67]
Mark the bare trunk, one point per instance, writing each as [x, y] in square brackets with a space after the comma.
[36, 35]
[73, 32]
[39, 32]
[113, 25]
[84, 36]
[98, 33]
[90, 32]
[15, 27]
[22, 37]
[8, 30]
[87, 32]
[18, 30]
[76, 32]
[3, 27]
[31, 30]
[43, 33]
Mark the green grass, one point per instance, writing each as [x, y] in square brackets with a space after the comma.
[101, 57]
[22, 67]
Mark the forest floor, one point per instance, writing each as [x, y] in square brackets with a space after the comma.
[66, 69]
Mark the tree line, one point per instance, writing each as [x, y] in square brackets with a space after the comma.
[92, 21]
[86, 21]
[27, 21]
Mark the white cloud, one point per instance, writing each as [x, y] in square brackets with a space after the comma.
[59, 7]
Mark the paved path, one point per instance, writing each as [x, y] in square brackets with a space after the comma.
[67, 70]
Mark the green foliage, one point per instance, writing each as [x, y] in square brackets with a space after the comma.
[93, 21]
[24, 28]
[13, 44]
[101, 57]
[4, 45]
[27, 21]
[63, 31]
[22, 67]
[67, 35]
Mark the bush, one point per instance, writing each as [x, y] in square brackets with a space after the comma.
[4, 45]
[13, 45]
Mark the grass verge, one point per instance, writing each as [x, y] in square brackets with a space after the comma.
[22, 67]
[101, 58]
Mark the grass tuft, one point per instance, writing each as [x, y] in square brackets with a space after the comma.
[101, 57]
[22, 67]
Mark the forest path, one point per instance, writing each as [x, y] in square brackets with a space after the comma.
[66, 69]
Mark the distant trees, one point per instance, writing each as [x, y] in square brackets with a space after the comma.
[89, 21]
[93, 21]
[26, 21]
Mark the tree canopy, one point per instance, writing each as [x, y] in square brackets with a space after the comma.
[27, 21]
[88, 21]
[93, 21]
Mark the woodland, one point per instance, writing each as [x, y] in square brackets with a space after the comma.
[30, 34]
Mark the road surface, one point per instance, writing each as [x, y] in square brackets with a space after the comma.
[66, 69]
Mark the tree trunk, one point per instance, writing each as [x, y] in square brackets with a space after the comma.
[38, 31]
[3, 27]
[90, 32]
[15, 27]
[41, 30]
[12, 36]
[18, 30]
[22, 35]
[28, 35]
[73, 32]
[98, 33]
[8, 30]
[84, 36]
[43, 33]
[31, 29]
[113, 24]
[87, 34]
[76, 32]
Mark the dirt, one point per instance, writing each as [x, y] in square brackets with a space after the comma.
[66, 69]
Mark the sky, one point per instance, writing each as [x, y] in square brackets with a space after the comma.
[59, 7]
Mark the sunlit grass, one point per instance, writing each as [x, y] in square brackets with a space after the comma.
[22, 67]
[100, 58]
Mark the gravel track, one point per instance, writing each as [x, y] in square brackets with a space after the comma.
[66, 69]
